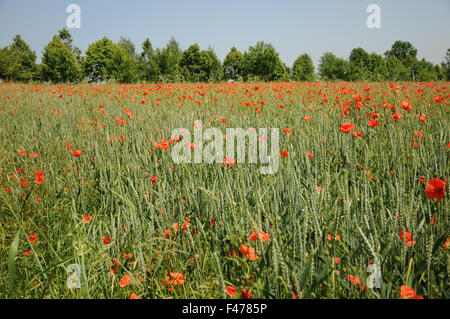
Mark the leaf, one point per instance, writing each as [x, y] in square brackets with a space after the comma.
[12, 261]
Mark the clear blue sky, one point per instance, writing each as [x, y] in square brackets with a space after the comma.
[292, 26]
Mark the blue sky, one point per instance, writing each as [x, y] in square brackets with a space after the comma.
[292, 26]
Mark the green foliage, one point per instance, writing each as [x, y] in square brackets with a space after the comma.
[233, 65]
[262, 61]
[121, 67]
[377, 67]
[332, 68]
[168, 60]
[303, 68]
[98, 56]
[128, 46]
[66, 38]
[104, 60]
[59, 63]
[200, 66]
[402, 50]
[446, 64]
[424, 71]
[359, 64]
[148, 69]
[18, 62]
[396, 71]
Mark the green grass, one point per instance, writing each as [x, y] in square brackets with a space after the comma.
[110, 181]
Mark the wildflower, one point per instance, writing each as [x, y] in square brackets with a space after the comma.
[435, 189]
[231, 291]
[347, 127]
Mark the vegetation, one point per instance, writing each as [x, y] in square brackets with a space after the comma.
[104, 61]
[87, 179]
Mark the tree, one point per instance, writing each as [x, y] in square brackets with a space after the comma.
[213, 66]
[5, 62]
[406, 53]
[262, 61]
[148, 69]
[59, 63]
[377, 67]
[424, 71]
[446, 64]
[199, 65]
[128, 46]
[168, 60]
[66, 38]
[332, 68]
[396, 71]
[303, 68]
[18, 62]
[98, 55]
[440, 73]
[121, 66]
[359, 60]
[402, 50]
[233, 65]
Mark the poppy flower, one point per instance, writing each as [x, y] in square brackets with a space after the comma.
[396, 116]
[284, 153]
[86, 218]
[435, 189]
[125, 281]
[406, 106]
[407, 237]
[253, 236]
[373, 123]
[231, 291]
[248, 252]
[77, 153]
[347, 127]
[246, 294]
[408, 293]
[106, 239]
[32, 237]
[175, 278]
[134, 296]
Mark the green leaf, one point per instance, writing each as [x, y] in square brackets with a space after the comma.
[12, 261]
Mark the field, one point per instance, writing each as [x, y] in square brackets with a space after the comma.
[87, 179]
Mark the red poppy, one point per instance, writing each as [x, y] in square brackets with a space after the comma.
[231, 291]
[373, 123]
[408, 293]
[125, 281]
[86, 218]
[347, 127]
[246, 294]
[435, 189]
[396, 116]
[32, 237]
[406, 106]
[408, 238]
[77, 153]
[253, 236]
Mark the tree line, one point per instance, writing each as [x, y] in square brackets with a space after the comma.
[105, 60]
